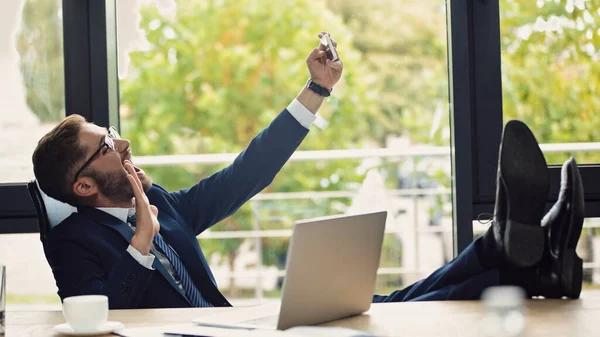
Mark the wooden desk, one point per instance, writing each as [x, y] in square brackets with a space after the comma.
[461, 319]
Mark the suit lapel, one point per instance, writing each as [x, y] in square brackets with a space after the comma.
[127, 233]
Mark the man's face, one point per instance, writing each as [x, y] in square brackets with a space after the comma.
[106, 170]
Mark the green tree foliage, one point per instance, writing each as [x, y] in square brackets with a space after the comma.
[218, 72]
[39, 44]
[404, 44]
[551, 70]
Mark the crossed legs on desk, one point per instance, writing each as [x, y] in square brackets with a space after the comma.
[461, 279]
[520, 248]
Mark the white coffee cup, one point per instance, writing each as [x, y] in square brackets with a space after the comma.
[85, 313]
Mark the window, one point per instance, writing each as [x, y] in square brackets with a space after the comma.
[31, 103]
[550, 66]
[549, 61]
[199, 79]
[31, 88]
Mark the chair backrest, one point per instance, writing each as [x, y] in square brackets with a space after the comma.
[40, 209]
[50, 211]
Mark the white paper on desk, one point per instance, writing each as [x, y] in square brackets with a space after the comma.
[302, 331]
[195, 330]
[224, 332]
[153, 331]
[332, 331]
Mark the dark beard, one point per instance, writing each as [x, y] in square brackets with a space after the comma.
[113, 185]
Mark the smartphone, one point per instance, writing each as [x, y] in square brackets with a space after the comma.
[326, 40]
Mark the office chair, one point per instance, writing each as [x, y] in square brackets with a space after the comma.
[40, 209]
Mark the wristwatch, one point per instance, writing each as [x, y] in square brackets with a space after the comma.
[318, 89]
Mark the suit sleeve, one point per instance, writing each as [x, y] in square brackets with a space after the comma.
[220, 195]
[78, 271]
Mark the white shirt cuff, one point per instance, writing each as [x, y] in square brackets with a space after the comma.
[144, 260]
[301, 113]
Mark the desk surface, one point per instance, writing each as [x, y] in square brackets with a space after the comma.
[461, 319]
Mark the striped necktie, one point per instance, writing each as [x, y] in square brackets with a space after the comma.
[191, 290]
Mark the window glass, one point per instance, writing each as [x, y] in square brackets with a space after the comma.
[199, 79]
[32, 82]
[550, 67]
[31, 103]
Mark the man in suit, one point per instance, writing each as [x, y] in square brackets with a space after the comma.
[153, 260]
[136, 242]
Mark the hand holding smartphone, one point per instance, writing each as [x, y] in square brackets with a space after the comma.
[331, 53]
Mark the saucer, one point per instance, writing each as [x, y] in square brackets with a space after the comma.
[105, 328]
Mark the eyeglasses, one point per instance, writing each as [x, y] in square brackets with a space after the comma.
[107, 143]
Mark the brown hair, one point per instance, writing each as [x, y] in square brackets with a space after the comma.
[56, 159]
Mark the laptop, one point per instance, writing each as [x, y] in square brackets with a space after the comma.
[330, 274]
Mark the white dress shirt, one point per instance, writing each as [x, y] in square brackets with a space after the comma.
[301, 113]
[296, 109]
[145, 260]
[122, 214]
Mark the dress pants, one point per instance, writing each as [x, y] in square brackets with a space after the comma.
[461, 279]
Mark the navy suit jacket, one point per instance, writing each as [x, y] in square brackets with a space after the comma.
[87, 251]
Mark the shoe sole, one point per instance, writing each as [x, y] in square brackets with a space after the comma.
[577, 207]
[572, 273]
[524, 173]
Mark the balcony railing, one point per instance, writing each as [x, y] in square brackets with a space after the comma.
[413, 151]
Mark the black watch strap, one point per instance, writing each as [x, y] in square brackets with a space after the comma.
[318, 89]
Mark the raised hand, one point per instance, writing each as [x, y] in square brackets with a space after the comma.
[322, 70]
[147, 225]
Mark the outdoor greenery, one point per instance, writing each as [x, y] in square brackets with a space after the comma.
[215, 73]
[550, 63]
[40, 47]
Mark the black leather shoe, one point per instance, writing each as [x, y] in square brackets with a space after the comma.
[561, 270]
[521, 192]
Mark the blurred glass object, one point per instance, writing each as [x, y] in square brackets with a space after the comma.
[504, 316]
